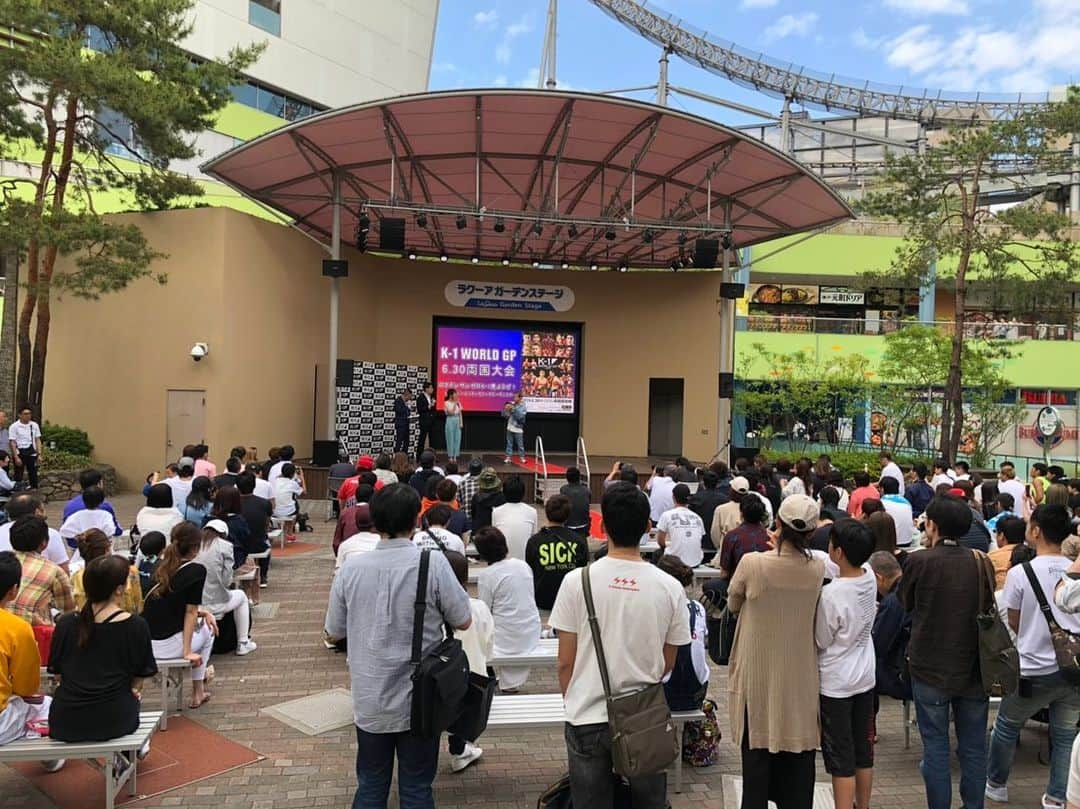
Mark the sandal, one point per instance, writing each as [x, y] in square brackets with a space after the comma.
[196, 705]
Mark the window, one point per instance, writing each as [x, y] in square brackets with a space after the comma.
[253, 94]
[265, 14]
[116, 133]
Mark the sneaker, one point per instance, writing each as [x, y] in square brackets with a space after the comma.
[1051, 803]
[246, 647]
[506, 459]
[144, 751]
[263, 585]
[524, 459]
[54, 765]
[1000, 794]
[465, 758]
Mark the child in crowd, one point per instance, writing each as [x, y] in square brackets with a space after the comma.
[846, 664]
[91, 516]
[151, 546]
[20, 665]
[685, 687]
[477, 641]
[288, 488]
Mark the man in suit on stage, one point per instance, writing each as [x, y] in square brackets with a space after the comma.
[402, 415]
[425, 409]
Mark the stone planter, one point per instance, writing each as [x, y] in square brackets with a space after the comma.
[64, 484]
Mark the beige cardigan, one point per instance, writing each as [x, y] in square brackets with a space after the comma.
[773, 673]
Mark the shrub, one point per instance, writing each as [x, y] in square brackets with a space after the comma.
[60, 461]
[66, 439]
[851, 461]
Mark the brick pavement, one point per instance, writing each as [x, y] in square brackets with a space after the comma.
[301, 771]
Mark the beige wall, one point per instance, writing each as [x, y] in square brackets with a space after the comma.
[254, 291]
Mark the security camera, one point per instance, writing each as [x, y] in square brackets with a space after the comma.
[199, 350]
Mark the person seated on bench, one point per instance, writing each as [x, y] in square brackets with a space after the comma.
[554, 551]
[87, 479]
[349, 523]
[24, 505]
[447, 493]
[288, 487]
[257, 512]
[91, 516]
[20, 664]
[179, 627]
[686, 685]
[199, 502]
[506, 586]
[216, 555]
[159, 513]
[433, 534]
[101, 655]
[45, 586]
[151, 547]
[94, 544]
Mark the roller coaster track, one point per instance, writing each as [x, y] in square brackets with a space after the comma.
[809, 87]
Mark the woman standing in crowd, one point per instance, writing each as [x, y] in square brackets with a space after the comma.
[196, 508]
[773, 679]
[506, 586]
[179, 627]
[101, 654]
[216, 555]
[159, 513]
[452, 408]
[802, 482]
[94, 544]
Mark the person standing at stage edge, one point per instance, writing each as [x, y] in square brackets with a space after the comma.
[425, 410]
[515, 412]
[402, 415]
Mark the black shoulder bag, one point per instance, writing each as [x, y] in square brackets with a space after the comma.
[440, 678]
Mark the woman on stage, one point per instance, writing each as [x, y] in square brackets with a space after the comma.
[452, 409]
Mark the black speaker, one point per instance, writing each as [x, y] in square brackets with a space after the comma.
[344, 376]
[732, 292]
[324, 453]
[335, 268]
[727, 386]
[705, 253]
[391, 234]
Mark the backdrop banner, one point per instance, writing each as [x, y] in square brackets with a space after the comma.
[365, 408]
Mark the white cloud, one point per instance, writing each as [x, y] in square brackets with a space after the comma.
[486, 19]
[863, 41]
[503, 53]
[925, 7]
[531, 79]
[792, 25]
[917, 50]
[745, 4]
[516, 29]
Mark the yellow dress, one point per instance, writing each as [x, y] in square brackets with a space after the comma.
[132, 601]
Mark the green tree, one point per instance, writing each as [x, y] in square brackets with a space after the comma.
[70, 106]
[938, 195]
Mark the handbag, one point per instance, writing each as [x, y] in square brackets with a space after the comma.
[557, 796]
[1066, 644]
[999, 662]
[476, 708]
[440, 678]
[643, 737]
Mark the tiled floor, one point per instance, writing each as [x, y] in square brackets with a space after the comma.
[302, 771]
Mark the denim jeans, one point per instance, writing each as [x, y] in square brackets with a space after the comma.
[969, 709]
[515, 440]
[1049, 690]
[592, 785]
[417, 761]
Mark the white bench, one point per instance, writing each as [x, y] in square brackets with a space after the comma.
[546, 710]
[170, 676]
[545, 653]
[278, 532]
[126, 746]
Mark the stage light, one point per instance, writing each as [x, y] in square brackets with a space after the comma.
[421, 220]
[476, 259]
[412, 255]
[609, 234]
[363, 223]
[682, 238]
[623, 265]
[461, 222]
[647, 236]
[444, 257]
[535, 263]
[505, 261]
[572, 231]
[726, 241]
[594, 266]
[500, 225]
[538, 229]
[566, 265]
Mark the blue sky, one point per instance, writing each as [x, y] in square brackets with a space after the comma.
[962, 45]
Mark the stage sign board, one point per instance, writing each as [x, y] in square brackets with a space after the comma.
[509, 295]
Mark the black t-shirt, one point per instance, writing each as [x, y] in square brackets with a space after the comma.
[482, 506]
[580, 498]
[165, 613]
[225, 479]
[257, 513]
[704, 503]
[819, 541]
[552, 553]
[94, 701]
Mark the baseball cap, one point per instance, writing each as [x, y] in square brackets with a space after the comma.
[740, 484]
[799, 512]
[958, 492]
[186, 462]
[476, 466]
[219, 526]
[365, 463]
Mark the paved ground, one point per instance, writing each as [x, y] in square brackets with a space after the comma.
[301, 771]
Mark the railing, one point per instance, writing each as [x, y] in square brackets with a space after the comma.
[581, 458]
[541, 477]
[1001, 330]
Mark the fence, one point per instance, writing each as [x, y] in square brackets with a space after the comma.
[999, 330]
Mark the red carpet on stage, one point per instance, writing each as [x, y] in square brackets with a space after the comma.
[596, 527]
[532, 465]
[188, 752]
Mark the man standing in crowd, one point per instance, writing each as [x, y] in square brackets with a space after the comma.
[402, 417]
[941, 589]
[24, 438]
[1008, 484]
[1028, 588]
[679, 531]
[941, 474]
[889, 469]
[580, 498]
[918, 492]
[632, 599]
[554, 551]
[515, 413]
[899, 509]
[372, 604]
[425, 415]
[963, 471]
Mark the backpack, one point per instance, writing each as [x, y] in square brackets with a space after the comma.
[683, 690]
[701, 740]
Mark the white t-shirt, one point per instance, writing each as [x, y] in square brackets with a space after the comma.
[1033, 640]
[639, 609]
[181, 488]
[1018, 491]
[845, 617]
[158, 519]
[358, 543]
[56, 551]
[684, 530]
[831, 570]
[897, 507]
[938, 479]
[275, 471]
[284, 489]
[517, 521]
[86, 518]
[452, 541]
[507, 588]
[891, 470]
[263, 489]
[477, 640]
[699, 635]
[24, 435]
[660, 499]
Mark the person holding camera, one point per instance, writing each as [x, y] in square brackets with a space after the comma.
[515, 412]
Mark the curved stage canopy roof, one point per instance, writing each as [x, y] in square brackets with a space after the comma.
[540, 176]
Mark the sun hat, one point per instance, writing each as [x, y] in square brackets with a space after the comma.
[489, 480]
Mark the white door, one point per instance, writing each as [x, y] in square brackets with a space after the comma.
[185, 421]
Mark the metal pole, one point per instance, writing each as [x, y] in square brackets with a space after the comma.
[1074, 189]
[662, 84]
[335, 292]
[785, 127]
[727, 360]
